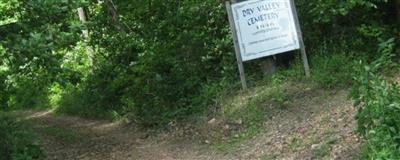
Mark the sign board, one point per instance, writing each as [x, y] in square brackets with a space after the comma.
[264, 28]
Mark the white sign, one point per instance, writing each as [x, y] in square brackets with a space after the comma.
[264, 28]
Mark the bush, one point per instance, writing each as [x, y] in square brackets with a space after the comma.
[332, 70]
[75, 100]
[3, 92]
[16, 142]
[26, 92]
[157, 60]
[332, 60]
[163, 71]
[3, 77]
[378, 104]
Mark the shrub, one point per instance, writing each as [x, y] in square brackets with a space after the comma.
[75, 100]
[27, 92]
[332, 70]
[378, 104]
[16, 142]
[163, 71]
[3, 92]
[332, 60]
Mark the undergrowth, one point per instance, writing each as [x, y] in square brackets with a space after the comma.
[378, 102]
[17, 142]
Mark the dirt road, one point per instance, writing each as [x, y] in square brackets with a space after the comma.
[320, 126]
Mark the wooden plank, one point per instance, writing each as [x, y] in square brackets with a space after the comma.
[236, 43]
[301, 41]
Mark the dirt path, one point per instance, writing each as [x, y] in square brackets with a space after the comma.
[319, 125]
[70, 138]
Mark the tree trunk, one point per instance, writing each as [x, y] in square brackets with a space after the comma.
[112, 10]
[85, 32]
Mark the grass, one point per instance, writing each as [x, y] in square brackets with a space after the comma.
[297, 142]
[17, 140]
[322, 151]
[251, 108]
[62, 133]
[254, 106]
[73, 101]
[237, 138]
[332, 71]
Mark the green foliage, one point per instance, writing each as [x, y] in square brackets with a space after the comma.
[161, 68]
[332, 70]
[3, 77]
[159, 61]
[33, 32]
[3, 94]
[77, 101]
[332, 61]
[378, 106]
[6, 11]
[326, 11]
[27, 94]
[279, 95]
[16, 142]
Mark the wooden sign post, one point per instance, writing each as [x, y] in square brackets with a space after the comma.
[301, 40]
[236, 43]
[263, 28]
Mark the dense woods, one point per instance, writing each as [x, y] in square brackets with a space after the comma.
[158, 61]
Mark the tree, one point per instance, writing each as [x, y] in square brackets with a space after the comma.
[83, 17]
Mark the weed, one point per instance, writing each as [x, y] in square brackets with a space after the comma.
[296, 142]
[250, 108]
[268, 157]
[332, 70]
[377, 101]
[17, 142]
[322, 151]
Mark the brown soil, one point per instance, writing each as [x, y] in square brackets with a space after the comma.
[317, 125]
[66, 137]
[320, 126]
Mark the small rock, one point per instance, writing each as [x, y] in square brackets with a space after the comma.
[212, 121]
[144, 136]
[226, 127]
[207, 142]
[314, 146]
[286, 103]
[239, 121]
[172, 124]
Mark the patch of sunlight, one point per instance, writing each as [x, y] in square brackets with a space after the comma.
[108, 126]
[40, 114]
[233, 104]
[8, 21]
